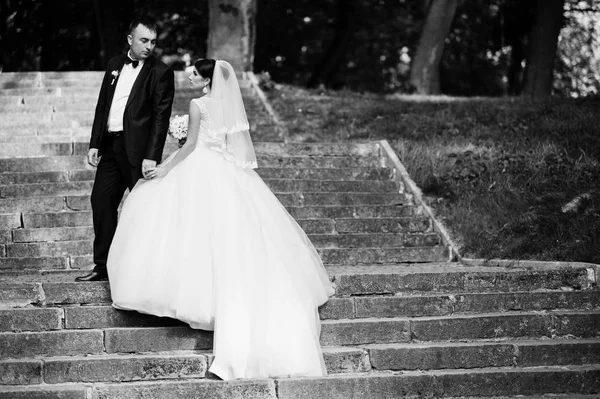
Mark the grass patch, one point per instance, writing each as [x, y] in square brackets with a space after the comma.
[509, 178]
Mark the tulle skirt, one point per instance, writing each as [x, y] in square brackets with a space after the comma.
[211, 245]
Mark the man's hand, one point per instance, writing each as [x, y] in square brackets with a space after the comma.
[92, 157]
[147, 165]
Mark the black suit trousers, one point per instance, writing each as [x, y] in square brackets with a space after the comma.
[114, 175]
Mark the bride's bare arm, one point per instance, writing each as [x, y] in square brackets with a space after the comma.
[190, 143]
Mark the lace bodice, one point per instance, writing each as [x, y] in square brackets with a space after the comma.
[213, 142]
[224, 143]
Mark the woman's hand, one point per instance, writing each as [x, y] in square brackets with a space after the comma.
[157, 172]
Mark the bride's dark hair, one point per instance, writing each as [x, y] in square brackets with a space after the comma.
[206, 67]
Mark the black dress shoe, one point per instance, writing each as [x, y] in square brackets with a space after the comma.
[93, 276]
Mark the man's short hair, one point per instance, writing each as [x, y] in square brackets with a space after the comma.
[143, 20]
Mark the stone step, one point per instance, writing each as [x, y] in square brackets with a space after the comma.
[359, 307]
[262, 149]
[176, 365]
[84, 218]
[81, 203]
[62, 163]
[73, 135]
[448, 288]
[353, 332]
[575, 381]
[14, 191]
[443, 383]
[358, 174]
[120, 368]
[323, 240]
[333, 256]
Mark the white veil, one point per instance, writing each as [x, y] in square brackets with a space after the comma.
[227, 116]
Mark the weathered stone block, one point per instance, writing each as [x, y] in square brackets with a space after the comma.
[82, 175]
[342, 360]
[580, 324]
[49, 249]
[5, 236]
[44, 392]
[396, 225]
[527, 280]
[368, 211]
[528, 301]
[357, 386]
[374, 240]
[510, 382]
[302, 162]
[408, 306]
[360, 256]
[30, 319]
[557, 352]
[77, 293]
[9, 220]
[337, 308]
[124, 368]
[386, 283]
[53, 234]
[20, 294]
[107, 316]
[20, 372]
[481, 327]
[241, 389]
[153, 339]
[43, 262]
[41, 204]
[42, 164]
[50, 343]
[345, 199]
[440, 356]
[34, 149]
[357, 332]
[57, 219]
[317, 226]
[46, 189]
[32, 177]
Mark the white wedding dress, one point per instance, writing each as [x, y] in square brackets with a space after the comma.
[210, 244]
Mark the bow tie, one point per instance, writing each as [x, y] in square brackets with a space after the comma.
[133, 63]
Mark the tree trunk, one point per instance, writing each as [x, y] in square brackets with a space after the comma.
[425, 69]
[232, 32]
[331, 61]
[543, 41]
[4, 11]
[48, 60]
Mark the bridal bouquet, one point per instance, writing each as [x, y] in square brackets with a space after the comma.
[178, 128]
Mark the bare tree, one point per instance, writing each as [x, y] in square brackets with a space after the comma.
[543, 41]
[425, 68]
[232, 32]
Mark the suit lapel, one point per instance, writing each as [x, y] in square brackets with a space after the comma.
[139, 81]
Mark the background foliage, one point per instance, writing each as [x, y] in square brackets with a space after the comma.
[483, 54]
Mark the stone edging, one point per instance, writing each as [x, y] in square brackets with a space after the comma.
[592, 269]
[281, 128]
[415, 191]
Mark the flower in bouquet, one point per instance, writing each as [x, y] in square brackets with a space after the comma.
[178, 128]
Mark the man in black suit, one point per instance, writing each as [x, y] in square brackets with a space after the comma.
[129, 131]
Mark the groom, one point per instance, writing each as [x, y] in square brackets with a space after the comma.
[129, 131]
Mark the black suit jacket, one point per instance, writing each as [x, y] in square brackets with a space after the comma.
[147, 113]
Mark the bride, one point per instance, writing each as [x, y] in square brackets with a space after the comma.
[205, 241]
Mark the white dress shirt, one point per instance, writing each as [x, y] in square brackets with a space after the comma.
[124, 83]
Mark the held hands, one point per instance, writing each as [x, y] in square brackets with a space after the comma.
[151, 171]
[92, 157]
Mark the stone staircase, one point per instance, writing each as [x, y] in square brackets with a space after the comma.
[404, 322]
